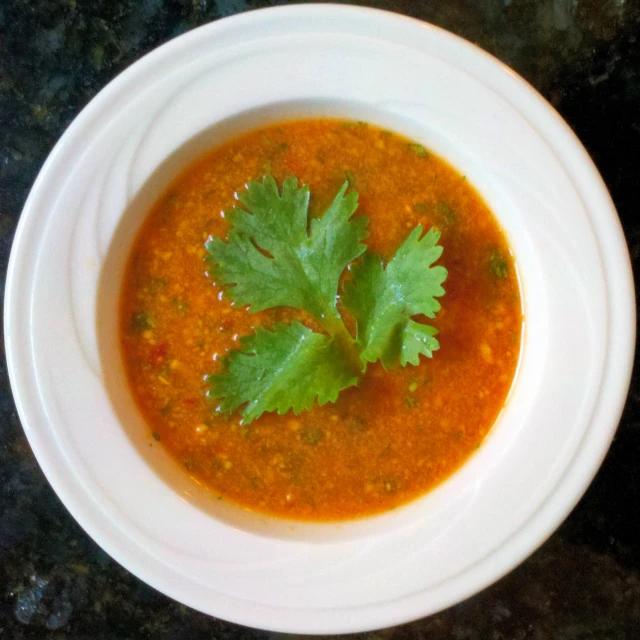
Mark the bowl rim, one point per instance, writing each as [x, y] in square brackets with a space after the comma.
[523, 542]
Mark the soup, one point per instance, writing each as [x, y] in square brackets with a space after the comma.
[400, 431]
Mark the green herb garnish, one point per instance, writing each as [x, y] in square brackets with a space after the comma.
[156, 284]
[312, 436]
[418, 149]
[383, 299]
[180, 305]
[142, 321]
[498, 264]
[445, 214]
[276, 255]
[283, 369]
[410, 402]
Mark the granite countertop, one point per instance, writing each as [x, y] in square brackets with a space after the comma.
[55, 582]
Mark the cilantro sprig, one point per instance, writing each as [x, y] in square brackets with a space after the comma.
[276, 255]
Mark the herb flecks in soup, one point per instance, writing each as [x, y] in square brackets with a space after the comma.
[400, 431]
[276, 257]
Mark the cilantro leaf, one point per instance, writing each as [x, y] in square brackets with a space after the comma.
[383, 300]
[417, 339]
[287, 368]
[276, 257]
[418, 149]
[498, 265]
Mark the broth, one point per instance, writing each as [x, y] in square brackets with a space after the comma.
[399, 432]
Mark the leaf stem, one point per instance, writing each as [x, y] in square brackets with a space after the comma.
[334, 326]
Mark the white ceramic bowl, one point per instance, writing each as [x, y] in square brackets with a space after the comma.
[67, 263]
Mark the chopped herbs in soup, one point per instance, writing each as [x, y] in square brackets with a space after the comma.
[320, 320]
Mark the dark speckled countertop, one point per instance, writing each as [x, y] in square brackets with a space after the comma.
[583, 56]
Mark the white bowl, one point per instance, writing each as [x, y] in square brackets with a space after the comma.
[62, 340]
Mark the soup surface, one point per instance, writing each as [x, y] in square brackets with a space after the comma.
[399, 432]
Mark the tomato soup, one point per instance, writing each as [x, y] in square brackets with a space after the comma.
[399, 432]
